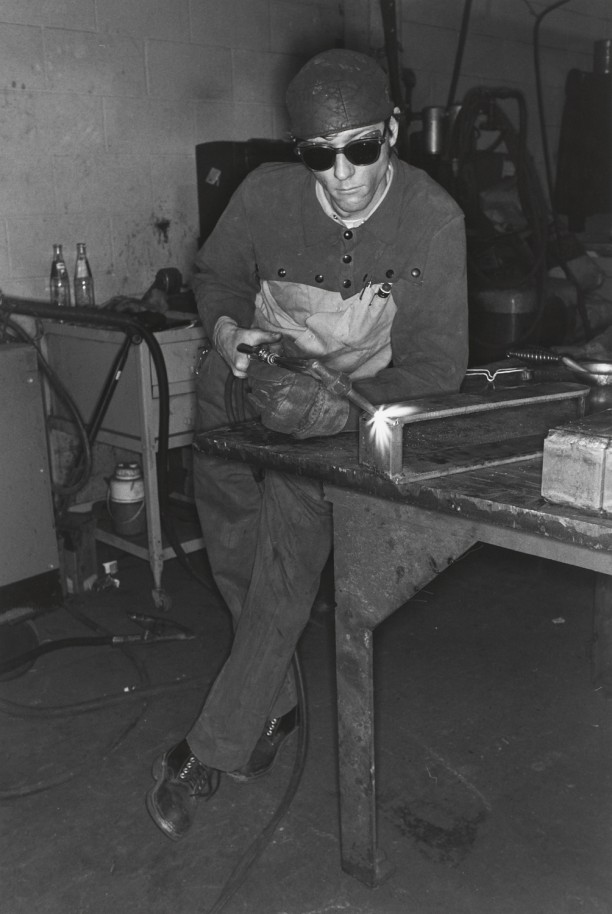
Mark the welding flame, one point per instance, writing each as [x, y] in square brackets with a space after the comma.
[380, 423]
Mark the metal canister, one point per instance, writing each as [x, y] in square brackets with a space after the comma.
[433, 129]
[126, 503]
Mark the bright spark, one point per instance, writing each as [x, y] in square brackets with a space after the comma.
[380, 423]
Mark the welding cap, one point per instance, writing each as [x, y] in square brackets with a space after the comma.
[337, 90]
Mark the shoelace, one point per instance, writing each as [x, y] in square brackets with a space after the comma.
[198, 777]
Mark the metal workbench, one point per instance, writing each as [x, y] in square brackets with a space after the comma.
[389, 542]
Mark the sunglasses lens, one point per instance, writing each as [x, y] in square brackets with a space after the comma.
[317, 158]
[365, 152]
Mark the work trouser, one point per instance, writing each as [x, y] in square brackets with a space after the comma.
[267, 542]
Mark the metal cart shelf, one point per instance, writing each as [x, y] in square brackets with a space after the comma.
[82, 356]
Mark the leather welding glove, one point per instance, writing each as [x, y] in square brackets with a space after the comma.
[295, 404]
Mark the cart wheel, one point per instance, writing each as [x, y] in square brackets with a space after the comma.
[161, 600]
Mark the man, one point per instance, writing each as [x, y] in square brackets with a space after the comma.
[297, 261]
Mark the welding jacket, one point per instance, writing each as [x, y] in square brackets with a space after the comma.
[277, 261]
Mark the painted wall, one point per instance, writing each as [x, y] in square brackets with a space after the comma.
[103, 101]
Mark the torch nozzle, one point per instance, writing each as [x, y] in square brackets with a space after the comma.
[361, 402]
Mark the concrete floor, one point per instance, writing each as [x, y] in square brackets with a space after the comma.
[494, 761]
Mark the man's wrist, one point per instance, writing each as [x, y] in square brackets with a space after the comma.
[223, 323]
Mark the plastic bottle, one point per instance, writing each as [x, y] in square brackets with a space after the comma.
[83, 280]
[59, 283]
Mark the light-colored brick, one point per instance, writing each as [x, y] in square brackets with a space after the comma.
[297, 29]
[4, 256]
[21, 58]
[53, 122]
[262, 77]
[231, 24]
[145, 18]
[25, 185]
[223, 121]
[75, 14]
[173, 179]
[110, 183]
[188, 71]
[146, 125]
[100, 63]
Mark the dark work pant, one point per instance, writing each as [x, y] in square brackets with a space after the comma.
[267, 542]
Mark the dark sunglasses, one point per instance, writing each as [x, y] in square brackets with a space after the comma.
[358, 152]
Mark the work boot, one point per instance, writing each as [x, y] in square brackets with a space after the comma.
[180, 780]
[266, 750]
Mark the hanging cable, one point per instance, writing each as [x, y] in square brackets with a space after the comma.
[539, 92]
[465, 22]
[569, 273]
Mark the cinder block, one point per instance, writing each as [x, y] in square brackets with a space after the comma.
[577, 464]
[145, 18]
[21, 57]
[93, 64]
[231, 24]
[177, 70]
[25, 186]
[142, 126]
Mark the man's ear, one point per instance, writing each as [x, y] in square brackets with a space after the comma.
[393, 128]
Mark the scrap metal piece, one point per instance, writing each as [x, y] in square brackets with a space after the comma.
[522, 374]
[447, 433]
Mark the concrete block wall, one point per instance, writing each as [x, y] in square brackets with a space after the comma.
[103, 102]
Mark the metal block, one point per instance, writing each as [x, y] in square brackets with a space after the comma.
[577, 464]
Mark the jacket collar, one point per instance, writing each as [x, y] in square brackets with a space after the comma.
[382, 226]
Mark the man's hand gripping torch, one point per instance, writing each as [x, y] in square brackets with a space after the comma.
[331, 379]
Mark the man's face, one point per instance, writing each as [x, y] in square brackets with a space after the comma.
[352, 188]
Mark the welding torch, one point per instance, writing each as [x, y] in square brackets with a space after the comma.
[337, 382]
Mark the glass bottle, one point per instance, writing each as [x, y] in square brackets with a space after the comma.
[59, 283]
[83, 280]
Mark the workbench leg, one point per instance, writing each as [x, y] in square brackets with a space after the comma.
[383, 554]
[361, 856]
[602, 633]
